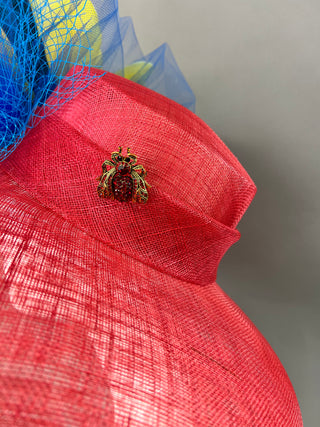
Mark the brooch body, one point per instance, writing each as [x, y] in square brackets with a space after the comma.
[122, 179]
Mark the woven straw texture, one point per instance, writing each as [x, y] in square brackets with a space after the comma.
[109, 312]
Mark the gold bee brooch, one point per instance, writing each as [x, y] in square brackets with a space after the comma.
[122, 179]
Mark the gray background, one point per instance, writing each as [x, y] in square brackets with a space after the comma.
[254, 66]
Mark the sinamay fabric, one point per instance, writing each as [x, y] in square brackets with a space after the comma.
[109, 312]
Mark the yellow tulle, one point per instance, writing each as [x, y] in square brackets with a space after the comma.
[136, 71]
[69, 20]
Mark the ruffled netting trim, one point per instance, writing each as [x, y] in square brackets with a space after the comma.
[42, 40]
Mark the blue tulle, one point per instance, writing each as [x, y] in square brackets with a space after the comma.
[41, 41]
[164, 76]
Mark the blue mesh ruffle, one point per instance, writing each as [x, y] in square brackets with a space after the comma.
[41, 41]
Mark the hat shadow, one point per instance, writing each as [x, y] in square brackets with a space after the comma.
[272, 257]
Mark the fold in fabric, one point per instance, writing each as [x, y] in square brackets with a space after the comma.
[41, 41]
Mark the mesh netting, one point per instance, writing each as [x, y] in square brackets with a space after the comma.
[109, 312]
[40, 42]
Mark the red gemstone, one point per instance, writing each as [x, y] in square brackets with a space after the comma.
[122, 186]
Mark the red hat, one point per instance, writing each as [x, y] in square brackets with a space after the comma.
[110, 312]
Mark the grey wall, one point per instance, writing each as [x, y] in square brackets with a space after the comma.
[254, 66]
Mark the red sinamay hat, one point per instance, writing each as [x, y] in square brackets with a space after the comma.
[110, 313]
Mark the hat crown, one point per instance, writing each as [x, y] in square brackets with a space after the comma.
[199, 189]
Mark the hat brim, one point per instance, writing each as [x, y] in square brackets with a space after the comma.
[107, 335]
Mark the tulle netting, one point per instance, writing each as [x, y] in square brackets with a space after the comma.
[40, 42]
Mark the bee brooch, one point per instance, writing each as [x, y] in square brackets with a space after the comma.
[122, 179]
